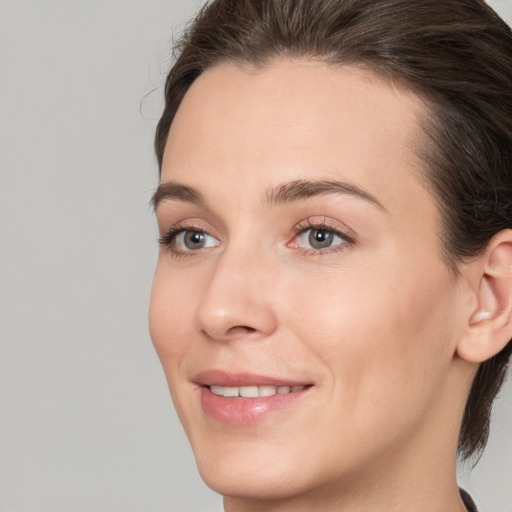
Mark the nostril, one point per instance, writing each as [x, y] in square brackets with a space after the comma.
[241, 329]
[238, 331]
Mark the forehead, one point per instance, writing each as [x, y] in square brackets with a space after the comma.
[252, 129]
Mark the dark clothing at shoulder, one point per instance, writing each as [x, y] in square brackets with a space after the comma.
[468, 501]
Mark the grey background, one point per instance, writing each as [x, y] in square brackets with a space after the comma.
[86, 423]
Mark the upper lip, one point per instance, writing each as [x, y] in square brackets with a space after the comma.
[227, 379]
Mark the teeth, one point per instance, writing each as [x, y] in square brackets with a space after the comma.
[253, 391]
[249, 391]
[230, 392]
[218, 390]
[266, 390]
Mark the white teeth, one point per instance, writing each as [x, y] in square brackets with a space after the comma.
[231, 392]
[267, 390]
[253, 391]
[216, 389]
[249, 391]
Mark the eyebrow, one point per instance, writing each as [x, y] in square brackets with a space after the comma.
[285, 193]
[303, 189]
[178, 192]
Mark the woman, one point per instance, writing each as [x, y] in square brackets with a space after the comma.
[332, 301]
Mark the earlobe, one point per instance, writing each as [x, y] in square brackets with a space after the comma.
[490, 324]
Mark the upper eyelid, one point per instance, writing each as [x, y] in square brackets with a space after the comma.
[177, 229]
[192, 224]
[171, 212]
[326, 223]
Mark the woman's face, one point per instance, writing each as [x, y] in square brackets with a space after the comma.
[300, 262]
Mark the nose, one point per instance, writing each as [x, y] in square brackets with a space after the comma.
[238, 301]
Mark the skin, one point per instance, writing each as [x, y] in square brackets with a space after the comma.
[373, 323]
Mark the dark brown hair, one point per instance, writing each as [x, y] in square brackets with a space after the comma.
[456, 55]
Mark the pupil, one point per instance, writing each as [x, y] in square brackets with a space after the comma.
[320, 238]
[194, 240]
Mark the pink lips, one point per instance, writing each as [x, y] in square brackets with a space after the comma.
[244, 411]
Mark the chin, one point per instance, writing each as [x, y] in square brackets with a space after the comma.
[250, 470]
[255, 484]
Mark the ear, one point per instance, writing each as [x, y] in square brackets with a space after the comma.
[490, 324]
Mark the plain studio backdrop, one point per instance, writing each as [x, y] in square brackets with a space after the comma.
[86, 422]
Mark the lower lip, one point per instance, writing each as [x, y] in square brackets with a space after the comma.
[245, 411]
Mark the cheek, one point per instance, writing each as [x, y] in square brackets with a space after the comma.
[170, 315]
[170, 320]
[385, 340]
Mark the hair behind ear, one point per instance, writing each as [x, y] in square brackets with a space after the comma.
[477, 415]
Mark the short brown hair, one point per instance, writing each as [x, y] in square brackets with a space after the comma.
[456, 55]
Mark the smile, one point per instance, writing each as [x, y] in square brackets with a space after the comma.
[253, 391]
[243, 399]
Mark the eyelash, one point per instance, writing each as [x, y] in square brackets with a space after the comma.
[168, 240]
[307, 225]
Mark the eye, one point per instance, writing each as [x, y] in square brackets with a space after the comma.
[318, 238]
[188, 240]
[181, 240]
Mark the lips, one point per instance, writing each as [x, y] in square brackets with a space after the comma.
[243, 399]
